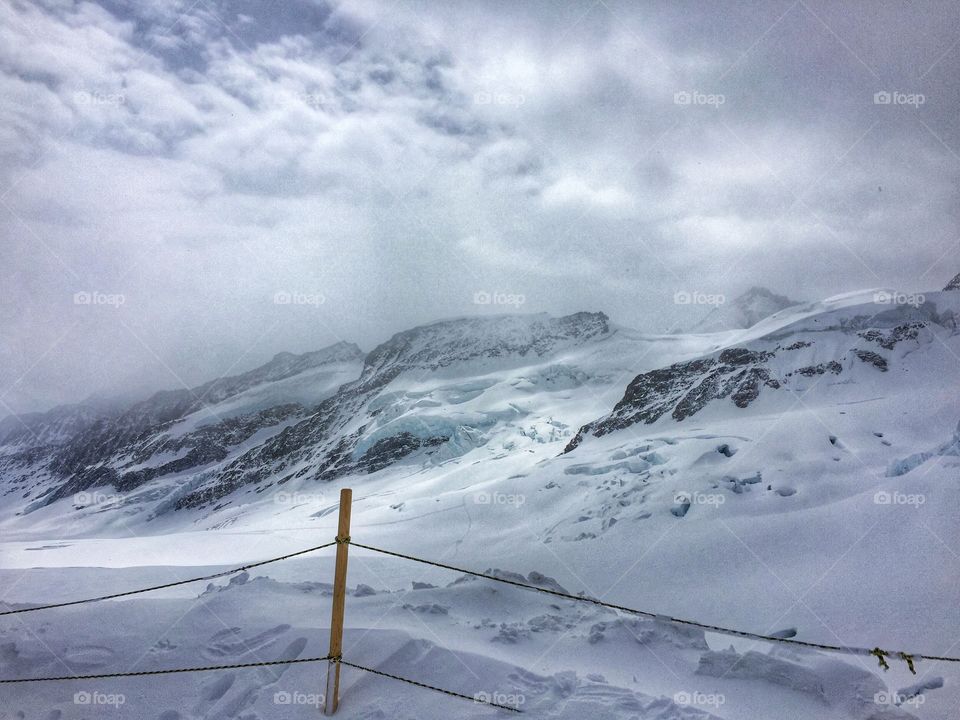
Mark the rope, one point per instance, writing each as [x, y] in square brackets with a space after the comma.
[475, 698]
[174, 670]
[169, 585]
[909, 658]
[265, 663]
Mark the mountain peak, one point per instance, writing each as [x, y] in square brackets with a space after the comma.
[338, 352]
[954, 284]
[478, 338]
[744, 311]
[756, 291]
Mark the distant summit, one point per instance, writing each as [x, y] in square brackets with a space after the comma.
[745, 311]
[954, 284]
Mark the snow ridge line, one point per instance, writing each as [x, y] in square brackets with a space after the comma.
[909, 658]
[171, 584]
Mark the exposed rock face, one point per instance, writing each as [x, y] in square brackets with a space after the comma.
[683, 389]
[954, 284]
[76, 447]
[740, 374]
[888, 340]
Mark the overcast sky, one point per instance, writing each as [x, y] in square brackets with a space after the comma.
[173, 173]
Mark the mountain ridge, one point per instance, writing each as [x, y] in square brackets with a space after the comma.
[745, 311]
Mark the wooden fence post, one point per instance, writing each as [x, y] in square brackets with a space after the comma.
[332, 696]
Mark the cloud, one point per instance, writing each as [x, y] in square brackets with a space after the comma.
[575, 191]
[197, 158]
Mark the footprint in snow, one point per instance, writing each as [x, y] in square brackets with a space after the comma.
[231, 643]
[88, 655]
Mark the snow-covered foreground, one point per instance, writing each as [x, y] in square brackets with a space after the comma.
[825, 502]
[552, 658]
[719, 563]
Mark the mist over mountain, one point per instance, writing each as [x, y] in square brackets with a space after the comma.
[744, 311]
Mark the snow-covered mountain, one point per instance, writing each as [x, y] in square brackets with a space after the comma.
[744, 311]
[798, 476]
[52, 455]
[439, 392]
[426, 395]
[848, 344]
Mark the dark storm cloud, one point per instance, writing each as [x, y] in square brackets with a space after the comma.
[168, 168]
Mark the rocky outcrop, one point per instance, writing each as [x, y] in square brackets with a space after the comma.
[740, 374]
[683, 389]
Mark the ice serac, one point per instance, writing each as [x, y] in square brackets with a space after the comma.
[743, 312]
[815, 345]
[354, 431]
